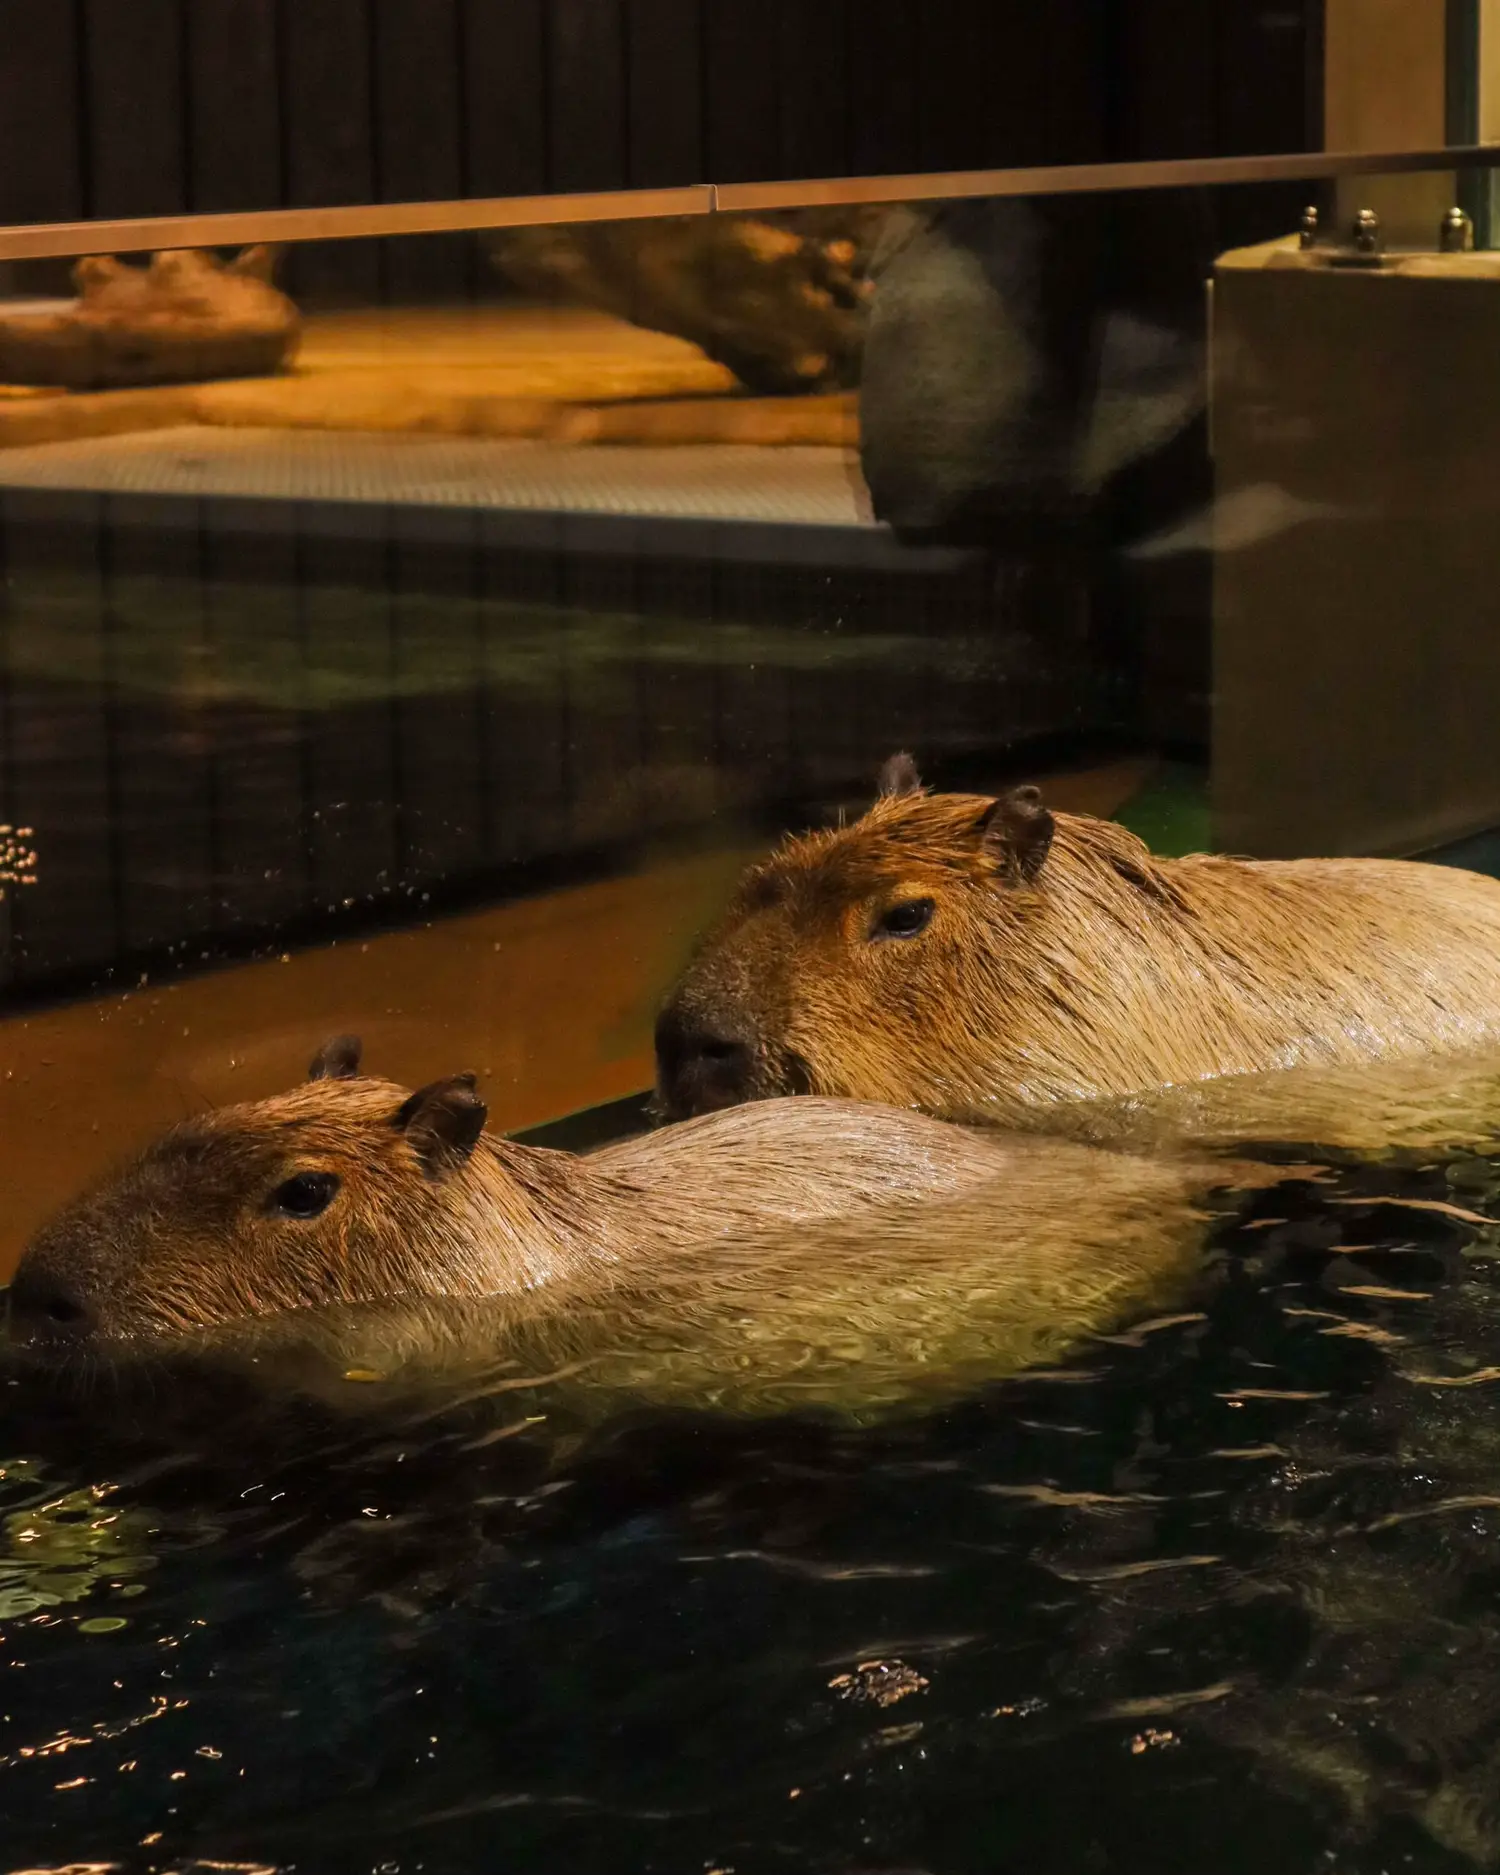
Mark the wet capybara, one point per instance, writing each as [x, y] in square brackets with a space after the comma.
[975, 956]
[788, 1250]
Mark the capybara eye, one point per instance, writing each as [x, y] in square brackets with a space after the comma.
[907, 920]
[309, 1194]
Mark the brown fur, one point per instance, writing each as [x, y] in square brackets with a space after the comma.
[786, 1250]
[1440, 1105]
[1063, 961]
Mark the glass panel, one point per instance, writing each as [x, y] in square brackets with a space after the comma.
[575, 554]
[437, 688]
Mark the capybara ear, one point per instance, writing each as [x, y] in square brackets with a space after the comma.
[1017, 829]
[443, 1121]
[256, 263]
[898, 775]
[337, 1059]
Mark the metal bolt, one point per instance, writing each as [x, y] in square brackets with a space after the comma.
[1367, 231]
[1456, 236]
[1309, 226]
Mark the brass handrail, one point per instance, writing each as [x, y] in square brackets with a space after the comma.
[376, 220]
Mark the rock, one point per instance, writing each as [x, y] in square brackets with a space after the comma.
[1006, 378]
[778, 300]
[185, 317]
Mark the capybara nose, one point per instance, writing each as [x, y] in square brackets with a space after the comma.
[46, 1308]
[699, 1066]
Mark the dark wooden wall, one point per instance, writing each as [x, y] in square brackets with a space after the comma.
[142, 107]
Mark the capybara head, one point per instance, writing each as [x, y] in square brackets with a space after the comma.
[347, 1190]
[846, 961]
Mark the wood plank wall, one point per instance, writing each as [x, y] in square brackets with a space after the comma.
[141, 107]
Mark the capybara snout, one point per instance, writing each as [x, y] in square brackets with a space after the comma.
[703, 1065]
[711, 1057]
[50, 1304]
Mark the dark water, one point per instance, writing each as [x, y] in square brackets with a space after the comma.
[1222, 1595]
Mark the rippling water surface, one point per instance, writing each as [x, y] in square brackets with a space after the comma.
[1220, 1595]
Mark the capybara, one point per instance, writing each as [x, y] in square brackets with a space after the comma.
[985, 957]
[787, 1250]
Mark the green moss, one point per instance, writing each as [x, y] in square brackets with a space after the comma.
[1171, 813]
[328, 647]
[62, 1550]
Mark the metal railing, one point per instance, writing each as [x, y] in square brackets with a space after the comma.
[380, 220]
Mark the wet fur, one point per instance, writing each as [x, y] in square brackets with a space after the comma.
[785, 1252]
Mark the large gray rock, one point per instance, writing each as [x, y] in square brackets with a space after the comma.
[1007, 377]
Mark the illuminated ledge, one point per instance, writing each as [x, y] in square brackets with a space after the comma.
[734, 482]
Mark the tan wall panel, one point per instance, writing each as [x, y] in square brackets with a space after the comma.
[1384, 74]
[1385, 89]
[1356, 619]
[1489, 71]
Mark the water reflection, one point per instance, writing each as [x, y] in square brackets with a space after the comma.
[242, 720]
[1234, 1568]
[59, 1549]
